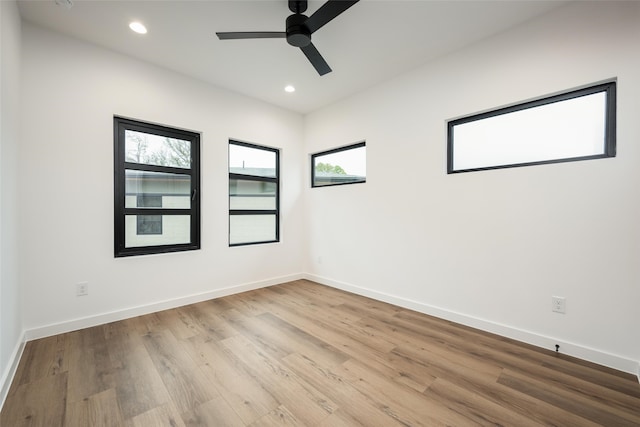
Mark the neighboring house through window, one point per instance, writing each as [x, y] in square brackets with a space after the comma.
[149, 224]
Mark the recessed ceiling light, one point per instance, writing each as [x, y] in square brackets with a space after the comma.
[289, 88]
[138, 27]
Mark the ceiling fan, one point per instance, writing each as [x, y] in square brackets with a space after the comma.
[299, 28]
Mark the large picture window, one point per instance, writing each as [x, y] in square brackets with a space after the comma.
[575, 125]
[344, 165]
[254, 182]
[157, 188]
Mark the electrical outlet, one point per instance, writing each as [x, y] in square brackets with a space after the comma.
[82, 289]
[559, 305]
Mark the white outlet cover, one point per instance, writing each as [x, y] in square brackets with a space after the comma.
[82, 289]
[558, 305]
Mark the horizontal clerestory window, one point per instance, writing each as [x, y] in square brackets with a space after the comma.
[339, 166]
[574, 125]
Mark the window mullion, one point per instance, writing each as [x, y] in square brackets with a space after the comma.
[155, 168]
[252, 177]
[156, 211]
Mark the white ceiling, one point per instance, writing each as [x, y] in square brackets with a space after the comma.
[371, 42]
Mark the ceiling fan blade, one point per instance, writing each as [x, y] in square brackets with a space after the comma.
[327, 12]
[252, 35]
[316, 59]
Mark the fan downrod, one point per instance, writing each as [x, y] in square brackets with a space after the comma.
[298, 6]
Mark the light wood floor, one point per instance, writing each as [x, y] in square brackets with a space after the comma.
[306, 355]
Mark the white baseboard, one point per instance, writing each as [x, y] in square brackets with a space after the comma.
[10, 372]
[529, 337]
[101, 319]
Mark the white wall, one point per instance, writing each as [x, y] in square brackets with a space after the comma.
[490, 248]
[10, 317]
[71, 92]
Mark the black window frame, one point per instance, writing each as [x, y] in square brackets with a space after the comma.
[257, 178]
[609, 149]
[333, 151]
[121, 125]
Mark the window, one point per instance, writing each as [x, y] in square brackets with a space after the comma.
[253, 194]
[575, 125]
[157, 188]
[345, 165]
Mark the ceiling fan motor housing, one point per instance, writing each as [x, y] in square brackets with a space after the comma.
[297, 33]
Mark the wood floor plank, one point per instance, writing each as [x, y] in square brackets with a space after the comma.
[304, 354]
[161, 416]
[481, 342]
[180, 323]
[608, 378]
[39, 403]
[340, 419]
[301, 301]
[577, 405]
[242, 391]
[296, 303]
[360, 407]
[139, 387]
[212, 324]
[510, 355]
[307, 404]
[183, 379]
[286, 334]
[502, 353]
[41, 358]
[93, 371]
[280, 416]
[247, 303]
[453, 363]
[475, 407]
[216, 412]
[406, 404]
[487, 387]
[99, 410]
[356, 345]
[250, 328]
[343, 322]
[148, 323]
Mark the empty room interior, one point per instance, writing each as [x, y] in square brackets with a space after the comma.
[340, 213]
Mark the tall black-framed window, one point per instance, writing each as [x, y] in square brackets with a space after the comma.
[156, 188]
[254, 194]
[339, 166]
[575, 125]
